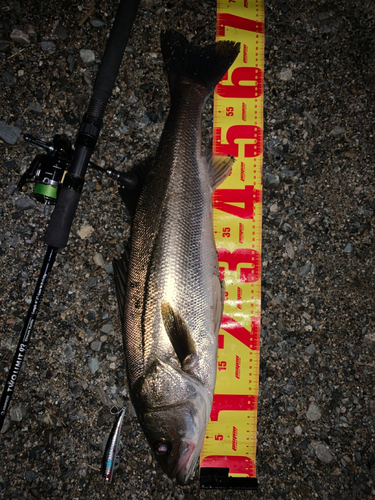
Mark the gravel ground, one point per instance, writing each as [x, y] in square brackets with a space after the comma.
[317, 399]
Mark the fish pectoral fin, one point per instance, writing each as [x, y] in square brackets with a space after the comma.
[120, 273]
[178, 332]
[219, 168]
[131, 196]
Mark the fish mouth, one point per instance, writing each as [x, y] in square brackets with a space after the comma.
[185, 466]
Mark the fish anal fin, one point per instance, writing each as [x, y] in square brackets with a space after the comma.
[178, 332]
[219, 168]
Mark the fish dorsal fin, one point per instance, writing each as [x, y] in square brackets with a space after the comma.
[219, 167]
[120, 273]
[131, 196]
[178, 332]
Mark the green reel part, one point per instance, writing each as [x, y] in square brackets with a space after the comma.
[45, 193]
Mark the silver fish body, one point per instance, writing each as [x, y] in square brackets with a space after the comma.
[173, 299]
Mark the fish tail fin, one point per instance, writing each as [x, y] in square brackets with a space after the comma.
[205, 65]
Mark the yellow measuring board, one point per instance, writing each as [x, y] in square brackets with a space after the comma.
[228, 455]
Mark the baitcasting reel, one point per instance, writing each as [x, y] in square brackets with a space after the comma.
[49, 170]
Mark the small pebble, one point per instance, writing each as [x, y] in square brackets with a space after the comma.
[314, 412]
[322, 452]
[93, 365]
[87, 78]
[9, 79]
[145, 120]
[10, 165]
[311, 118]
[91, 315]
[337, 131]
[61, 32]
[48, 47]
[16, 414]
[348, 248]
[68, 353]
[92, 281]
[298, 430]
[98, 260]
[36, 107]
[304, 269]
[85, 231]
[71, 60]
[289, 389]
[274, 208]
[96, 345]
[285, 74]
[96, 23]
[8, 133]
[289, 249]
[25, 203]
[272, 181]
[311, 350]
[108, 328]
[287, 228]
[20, 37]
[35, 493]
[15, 240]
[108, 268]
[87, 56]
[30, 476]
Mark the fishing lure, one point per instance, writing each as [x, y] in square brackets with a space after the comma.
[111, 459]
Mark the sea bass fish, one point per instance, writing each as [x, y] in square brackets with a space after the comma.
[170, 294]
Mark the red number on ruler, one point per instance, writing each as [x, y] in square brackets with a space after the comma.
[223, 199]
[239, 332]
[222, 365]
[237, 22]
[232, 402]
[241, 255]
[249, 132]
[219, 437]
[235, 464]
[242, 91]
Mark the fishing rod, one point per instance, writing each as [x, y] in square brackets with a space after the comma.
[60, 174]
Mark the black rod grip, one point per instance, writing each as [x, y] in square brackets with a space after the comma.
[57, 233]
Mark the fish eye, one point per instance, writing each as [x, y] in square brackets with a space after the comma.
[162, 447]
